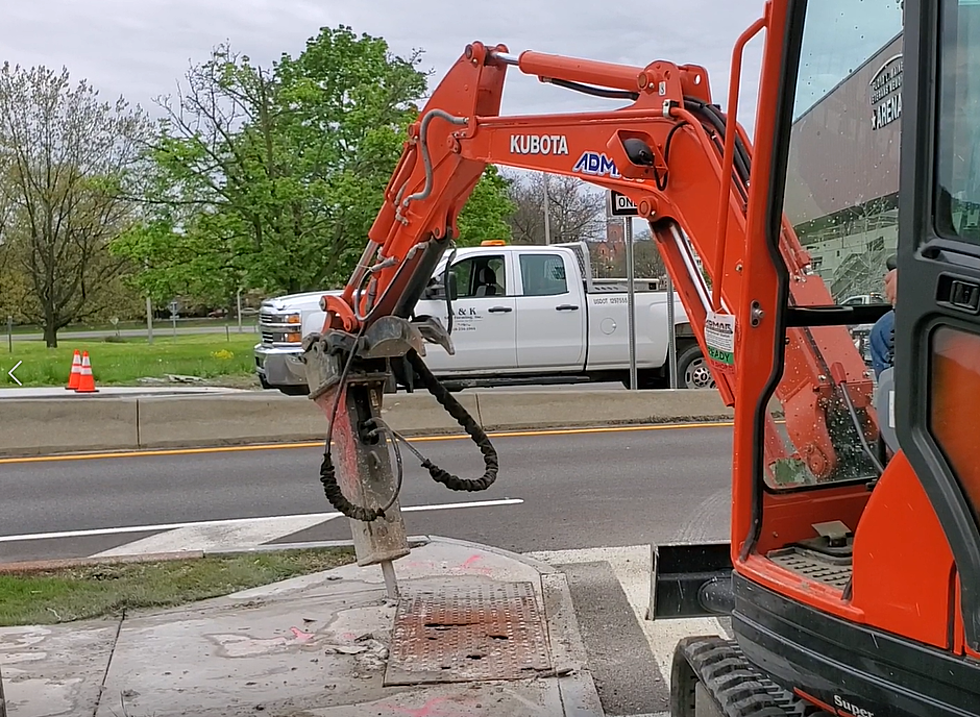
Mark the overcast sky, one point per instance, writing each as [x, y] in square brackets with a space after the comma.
[142, 48]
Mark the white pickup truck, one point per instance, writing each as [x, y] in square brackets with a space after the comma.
[521, 315]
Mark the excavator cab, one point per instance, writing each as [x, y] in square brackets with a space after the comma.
[855, 580]
[852, 576]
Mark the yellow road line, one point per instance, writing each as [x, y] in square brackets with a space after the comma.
[318, 444]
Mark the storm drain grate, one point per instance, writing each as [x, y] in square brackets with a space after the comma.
[484, 632]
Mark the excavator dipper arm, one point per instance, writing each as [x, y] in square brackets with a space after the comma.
[675, 155]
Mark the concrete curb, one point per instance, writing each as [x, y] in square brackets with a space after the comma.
[126, 423]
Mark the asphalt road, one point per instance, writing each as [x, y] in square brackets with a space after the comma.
[589, 503]
[575, 490]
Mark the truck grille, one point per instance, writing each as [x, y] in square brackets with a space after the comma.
[273, 329]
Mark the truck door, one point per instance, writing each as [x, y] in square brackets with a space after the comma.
[551, 313]
[484, 317]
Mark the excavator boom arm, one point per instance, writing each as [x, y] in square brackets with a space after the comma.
[671, 151]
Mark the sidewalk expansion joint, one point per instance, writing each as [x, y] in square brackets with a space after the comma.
[108, 664]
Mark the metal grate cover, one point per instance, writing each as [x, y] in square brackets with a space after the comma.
[462, 634]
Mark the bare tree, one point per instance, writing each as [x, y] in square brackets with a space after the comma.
[576, 210]
[66, 157]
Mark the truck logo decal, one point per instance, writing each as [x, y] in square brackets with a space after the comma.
[597, 164]
[538, 144]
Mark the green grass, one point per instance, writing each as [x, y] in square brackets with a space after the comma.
[77, 593]
[121, 362]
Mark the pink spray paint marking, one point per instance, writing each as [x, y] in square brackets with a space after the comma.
[429, 709]
[468, 564]
[300, 635]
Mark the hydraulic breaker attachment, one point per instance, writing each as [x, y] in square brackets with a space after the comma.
[690, 580]
[347, 375]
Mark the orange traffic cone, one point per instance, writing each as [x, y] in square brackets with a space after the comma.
[86, 382]
[76, 371]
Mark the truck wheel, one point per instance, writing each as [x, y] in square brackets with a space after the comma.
[692, 368]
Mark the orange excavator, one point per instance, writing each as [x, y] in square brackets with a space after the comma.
[852, 576]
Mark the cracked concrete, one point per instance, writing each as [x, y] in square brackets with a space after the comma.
[55, 671]
[315, 646]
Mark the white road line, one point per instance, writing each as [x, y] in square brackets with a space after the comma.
[632, 566]
[319, 518]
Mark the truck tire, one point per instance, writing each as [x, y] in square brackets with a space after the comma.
[692, 368]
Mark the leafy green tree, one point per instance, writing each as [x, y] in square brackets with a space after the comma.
[487, 213]
[66, 160]
[273, 177]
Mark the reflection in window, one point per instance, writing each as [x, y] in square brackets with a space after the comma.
[958, 152]
[955, 395]
[842, 174]
[839, 37]
[842, 202]
[543, 275]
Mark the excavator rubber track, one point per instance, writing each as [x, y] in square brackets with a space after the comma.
[711, 678]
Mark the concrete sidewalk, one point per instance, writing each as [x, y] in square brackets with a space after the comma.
[477, 631]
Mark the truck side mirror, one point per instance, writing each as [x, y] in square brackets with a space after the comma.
[436, 290]
[453, 291]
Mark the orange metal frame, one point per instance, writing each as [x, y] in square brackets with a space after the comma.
[460, 132]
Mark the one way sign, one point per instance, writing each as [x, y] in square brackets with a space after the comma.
[621, 205]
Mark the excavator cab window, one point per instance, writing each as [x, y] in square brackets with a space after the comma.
[841, 201]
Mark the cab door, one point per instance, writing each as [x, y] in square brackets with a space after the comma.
[937, 311]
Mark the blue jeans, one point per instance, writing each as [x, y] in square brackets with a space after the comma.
[882, 343]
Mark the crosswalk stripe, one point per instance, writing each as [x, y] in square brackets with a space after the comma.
[214, 537]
